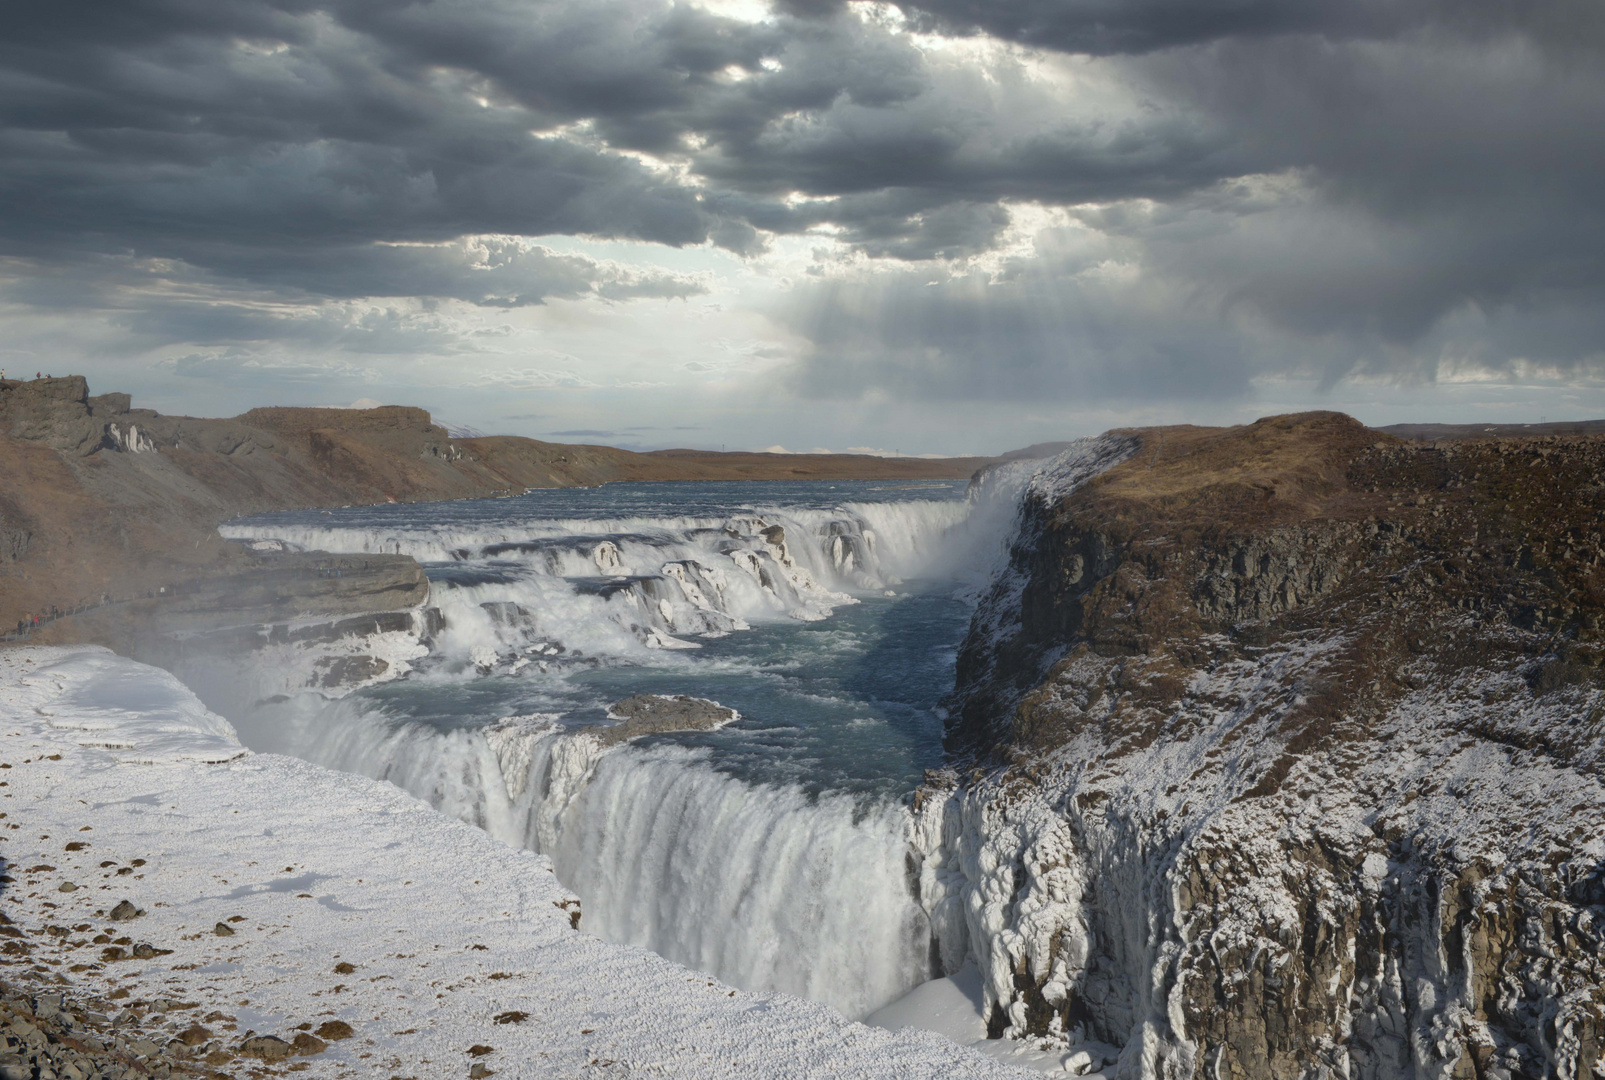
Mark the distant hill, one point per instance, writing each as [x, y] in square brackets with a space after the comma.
[97, 496]
[1434, 432]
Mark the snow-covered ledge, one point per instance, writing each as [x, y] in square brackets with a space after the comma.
[445, 928]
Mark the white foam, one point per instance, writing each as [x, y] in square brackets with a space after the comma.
[137, 713]
[621, 587]
[763, 886]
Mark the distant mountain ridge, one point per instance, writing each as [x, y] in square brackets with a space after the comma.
[1431, 432]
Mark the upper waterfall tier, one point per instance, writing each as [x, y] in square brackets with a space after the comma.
[611, 573]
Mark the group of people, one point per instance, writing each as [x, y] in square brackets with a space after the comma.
[29, 623]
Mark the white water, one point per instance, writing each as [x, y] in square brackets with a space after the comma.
[615, 587]
[768, 882]
[759, 884]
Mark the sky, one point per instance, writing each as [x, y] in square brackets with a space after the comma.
[953, 227]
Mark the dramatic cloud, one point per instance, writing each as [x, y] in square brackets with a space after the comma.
[1010, 200]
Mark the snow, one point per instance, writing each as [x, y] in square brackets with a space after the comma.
[1079, 876]
[447, 927]
[953, 1006]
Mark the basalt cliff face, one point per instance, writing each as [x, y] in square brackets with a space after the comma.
[1281, 756]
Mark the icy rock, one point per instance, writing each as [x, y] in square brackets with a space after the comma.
[266, 1047]
[1277, 787]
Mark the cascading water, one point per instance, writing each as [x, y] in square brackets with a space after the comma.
[773, 853]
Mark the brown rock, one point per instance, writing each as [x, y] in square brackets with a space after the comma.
[334, 1030]
[649, 714]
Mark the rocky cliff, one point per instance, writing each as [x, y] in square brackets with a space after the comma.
[1280, 755]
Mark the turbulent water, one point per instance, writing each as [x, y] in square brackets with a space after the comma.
[774, 852]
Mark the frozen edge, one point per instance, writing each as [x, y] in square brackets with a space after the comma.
[325, 867]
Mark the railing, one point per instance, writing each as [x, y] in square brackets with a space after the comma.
[28, 626]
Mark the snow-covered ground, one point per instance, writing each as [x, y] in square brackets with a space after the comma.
[453, 939]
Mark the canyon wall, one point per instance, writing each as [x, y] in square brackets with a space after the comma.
[1278, 754]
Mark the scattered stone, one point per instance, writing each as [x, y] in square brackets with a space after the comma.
[344, 968]
[334, 1030]
[511, 1016]
[194, 1035]
[480, 1050]
[266, 1047]
[66, 886]
[306, 1045]
[123, 912]
[146, 951]
[223, 929]
[479, 1070]
[76, 845]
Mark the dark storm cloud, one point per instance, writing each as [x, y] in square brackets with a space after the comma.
[1052, 328]
[1111, 27]
[1272, 184]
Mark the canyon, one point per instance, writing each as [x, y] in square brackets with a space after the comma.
[1271, 751]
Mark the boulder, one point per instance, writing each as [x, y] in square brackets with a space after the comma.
[55, 412]
[652, 714]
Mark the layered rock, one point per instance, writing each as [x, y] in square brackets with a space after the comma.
[1281, 752]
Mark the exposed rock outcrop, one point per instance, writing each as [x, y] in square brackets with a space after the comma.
[652, 714]
[55, 412]
[1282, 754]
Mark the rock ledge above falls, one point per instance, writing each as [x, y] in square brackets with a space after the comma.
[1283, 751]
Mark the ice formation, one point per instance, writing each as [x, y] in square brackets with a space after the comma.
[447, 930]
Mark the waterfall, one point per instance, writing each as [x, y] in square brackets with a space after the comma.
[546, 591]
[764, 886]
[763, 879]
